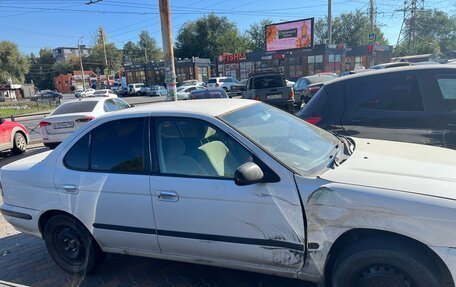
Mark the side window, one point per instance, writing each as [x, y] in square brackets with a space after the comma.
[400, 93]
[190, 89]
[121, 104]
[119, 146]
[447, 85]
[191, 147]
[110, 106]
[78, 155]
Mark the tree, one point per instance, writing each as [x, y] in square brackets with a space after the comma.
[208, 37]
[435, 32]
[132, 53]
[256, 35]
[41, 69]
[351, 28]
[96, 60]
[147, 43]
[13, 65]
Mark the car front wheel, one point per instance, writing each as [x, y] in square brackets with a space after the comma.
[19, 144]
[71, 246]
[384, 263]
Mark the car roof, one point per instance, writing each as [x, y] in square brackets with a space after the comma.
[94, 99]
[210, 107]
[367, 73]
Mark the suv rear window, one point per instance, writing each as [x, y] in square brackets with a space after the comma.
[268, 81]
[75, 107]
[400, 93]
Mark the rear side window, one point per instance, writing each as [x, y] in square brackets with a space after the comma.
[212, 81]
[447, 85]
[268, 81]
[400, 93]
[103, 149]
[110, 106]
[75, 107]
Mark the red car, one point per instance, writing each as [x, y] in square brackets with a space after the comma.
[13, 136]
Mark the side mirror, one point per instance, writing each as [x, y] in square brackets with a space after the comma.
[243, 88]
[248, 173]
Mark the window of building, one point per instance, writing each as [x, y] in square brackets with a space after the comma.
[400, 93]
[203, 74]
[296, 67]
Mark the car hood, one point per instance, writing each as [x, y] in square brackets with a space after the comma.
[399, 166]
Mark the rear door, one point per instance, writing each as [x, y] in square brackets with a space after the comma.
[391, 107]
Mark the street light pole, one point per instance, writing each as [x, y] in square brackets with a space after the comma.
[329, 23]
[170, 74]
[80, 61]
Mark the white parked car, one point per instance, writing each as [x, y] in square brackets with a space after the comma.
[184, 91]
[222, 82]
[69, 116]
[80, 93]
[106, 93]
[241, 184]
[133, 89]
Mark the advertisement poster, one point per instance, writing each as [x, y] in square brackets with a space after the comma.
[290, 35]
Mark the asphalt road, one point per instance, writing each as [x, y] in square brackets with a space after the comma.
[32, 122]
[24, 260]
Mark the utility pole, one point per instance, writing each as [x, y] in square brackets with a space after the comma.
[170, 74]
[80, 61]
[372, 27]
[103, 36]
[329, 23]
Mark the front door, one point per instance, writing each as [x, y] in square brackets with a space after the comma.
[104, 182]
[203, 215]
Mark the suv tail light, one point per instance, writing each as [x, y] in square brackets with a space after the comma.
[257, 98]
[291, 94]
[84, 120]
[44, 124]
[313, 120]
[216, 84]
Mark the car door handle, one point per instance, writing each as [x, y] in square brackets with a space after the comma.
[168, 196]
[70, 188]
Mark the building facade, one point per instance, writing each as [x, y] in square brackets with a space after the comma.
[297, 63]
[154, 73]
[66, 53]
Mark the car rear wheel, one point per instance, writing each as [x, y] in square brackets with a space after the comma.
[71, 246]
[375, 263]
[19, 144]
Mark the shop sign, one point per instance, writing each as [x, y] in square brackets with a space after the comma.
[268, 57]
[229, 58]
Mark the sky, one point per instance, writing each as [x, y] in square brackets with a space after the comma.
[34, 24]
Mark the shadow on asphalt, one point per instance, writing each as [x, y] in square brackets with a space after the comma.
[24, 260]
[7, 157]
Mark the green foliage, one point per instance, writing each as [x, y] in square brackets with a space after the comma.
[208, 37]
[136, 52]
[435, 33]
[96, 60]
[256, 35]
[351, 28]
[13, 64]
[41, 70]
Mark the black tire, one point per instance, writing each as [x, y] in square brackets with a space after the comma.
[377, 262]
[71, 246]
[19, 143]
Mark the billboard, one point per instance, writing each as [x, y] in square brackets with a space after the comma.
[290, 35]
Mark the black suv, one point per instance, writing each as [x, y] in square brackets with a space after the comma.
[414, 104]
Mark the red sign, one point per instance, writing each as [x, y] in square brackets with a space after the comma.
[230, 58]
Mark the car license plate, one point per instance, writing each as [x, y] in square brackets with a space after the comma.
[273, 97]
[64, 125]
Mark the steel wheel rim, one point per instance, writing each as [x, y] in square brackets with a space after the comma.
[70, 247]
[382, 275]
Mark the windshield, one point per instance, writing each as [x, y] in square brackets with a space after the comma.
[268, 81]
[75, 107]
[300, 146]
[320, 79]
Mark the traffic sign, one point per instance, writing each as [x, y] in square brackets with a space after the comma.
[371, 37]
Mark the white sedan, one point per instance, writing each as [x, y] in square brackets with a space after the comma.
[240, 184]
[106, 93]
[184, 91]
[69, 116]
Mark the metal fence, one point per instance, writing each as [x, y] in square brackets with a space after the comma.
[11, 109]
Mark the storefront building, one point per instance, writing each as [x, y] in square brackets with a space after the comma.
[154, 73]
[297, 63]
